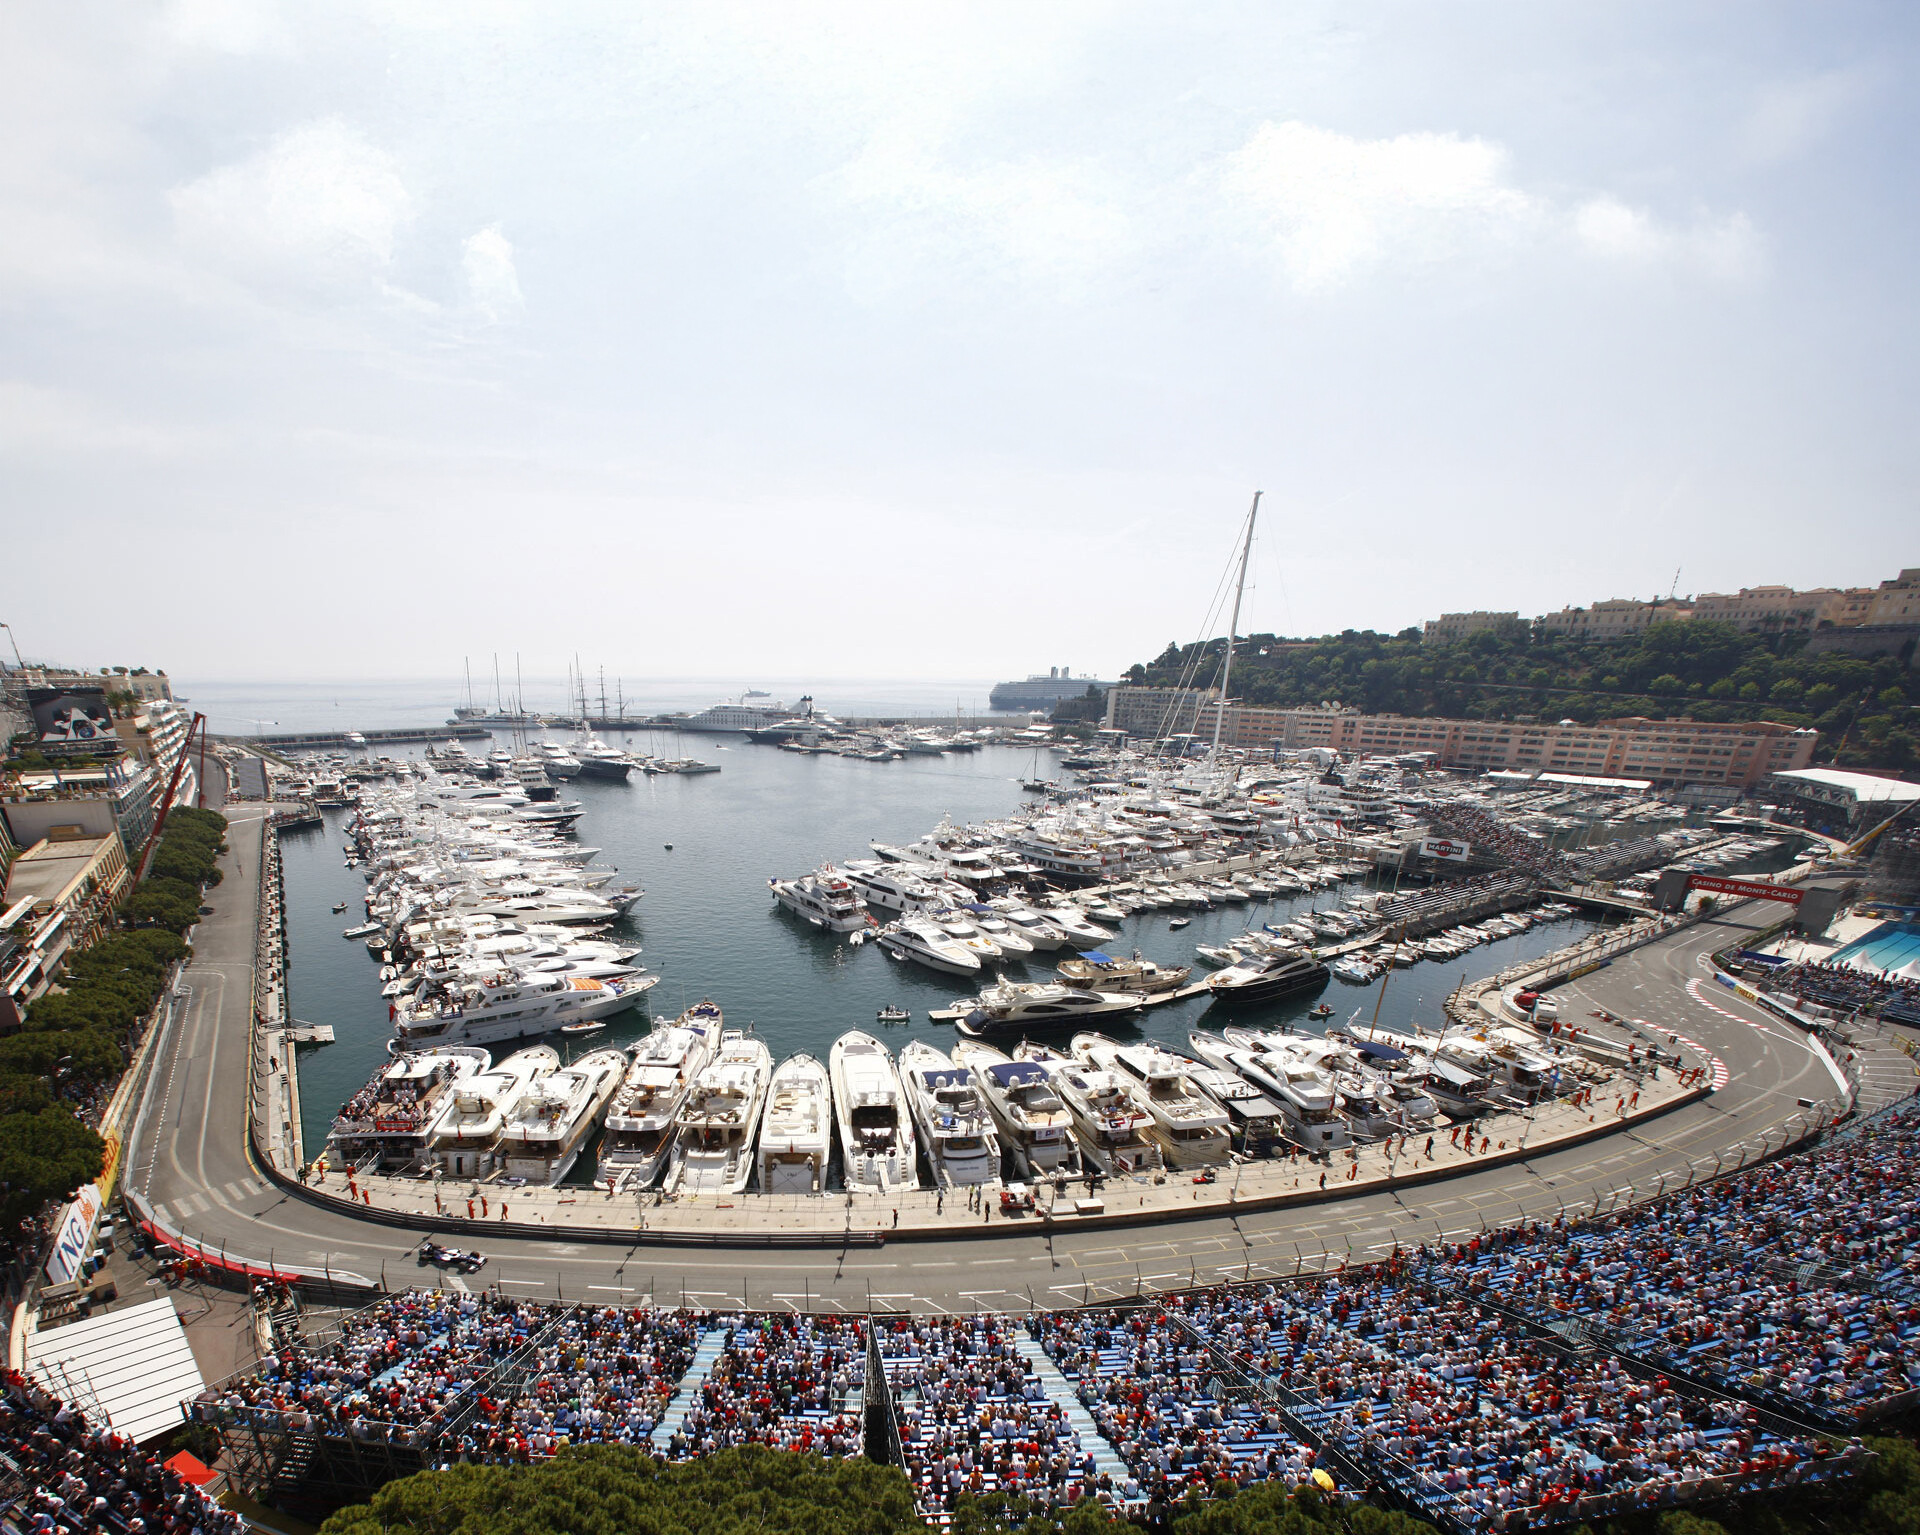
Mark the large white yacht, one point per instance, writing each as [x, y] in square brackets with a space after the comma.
[1113, 1124]
[1304, 1095]
[511, 1004]
[892, 887]
[557, 760]
[825, 898]
[713, 1151]
[462, 1137]
[1190, 1127]
[1015, 1005]
[876, 1128]
[1032, 925]
[1095, 971]
[599, 760]
[955, 1123]
[1031, 1115]
[926, 943]
[640, 1120]
[545, 1130]
[796, 1133]
[388, 1118]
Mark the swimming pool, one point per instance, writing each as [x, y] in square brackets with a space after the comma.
[1888, 947]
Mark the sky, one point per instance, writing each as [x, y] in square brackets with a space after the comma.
[348, 340]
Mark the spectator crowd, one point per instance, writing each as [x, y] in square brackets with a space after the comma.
[788, 1382]
[1847, 989]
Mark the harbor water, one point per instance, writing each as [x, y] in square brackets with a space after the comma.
[708, 927]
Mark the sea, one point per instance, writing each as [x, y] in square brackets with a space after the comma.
[704, 848]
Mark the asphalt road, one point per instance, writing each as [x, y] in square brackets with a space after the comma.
[190, 1155]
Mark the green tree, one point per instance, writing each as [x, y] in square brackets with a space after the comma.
[45, 1154]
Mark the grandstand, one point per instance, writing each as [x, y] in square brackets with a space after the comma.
[1730, 1337]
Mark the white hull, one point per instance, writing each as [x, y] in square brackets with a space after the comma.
[796, 1132]
[956, 1125]
[870, 1108]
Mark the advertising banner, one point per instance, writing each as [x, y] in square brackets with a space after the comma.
[1745, 889]
[1447, 848]
[73, 1235]
[72, 721]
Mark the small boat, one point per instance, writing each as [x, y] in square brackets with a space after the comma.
[584, 1026]
[1177, 923]
[1322, 1011]
[669, 847]
[364, 930]
[893, 1015]
[339, 908]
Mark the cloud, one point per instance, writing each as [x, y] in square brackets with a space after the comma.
[1332, 205]
[320, 205]
[1791, 115]
[493, 284]
[1725, 247]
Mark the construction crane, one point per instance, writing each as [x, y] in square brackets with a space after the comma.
[197, 727]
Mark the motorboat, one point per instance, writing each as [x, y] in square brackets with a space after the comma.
[960, 928]
[926, 943]
[1002, 934]
[823, 898]
[1114, 1126]
[460, 1142]
[557, 760]
[956, 1126]
[550, 1122]
[1021, 1097]
[1190, 1127]
[1076, 925]
[713, 1146]
[796, 1131]
[599, 760]
[892, 887]
[511, 1004]
[892, 1014]
[388, 1118]
[877, 1144]
[1095, 971]
[1014, 1005]
[640, 1121]
[1305, 1097]
[1041, 934]
[1256, 982]
[1254, 1120]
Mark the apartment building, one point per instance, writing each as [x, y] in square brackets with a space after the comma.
[1618, 618]
[1667, 752]
[1767, 609]
[1450, 627]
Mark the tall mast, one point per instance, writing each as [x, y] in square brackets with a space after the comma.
[1233, 626]
[467, 662]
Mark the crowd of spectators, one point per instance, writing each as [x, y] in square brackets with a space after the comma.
[1847, 989]
[81, 1479]
[974, 1417]
[788, 1382]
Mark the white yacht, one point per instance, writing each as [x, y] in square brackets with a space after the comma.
[1190, 1127]
[713, 1150]
[511, 1004]
[961, 929]
[1032, 925]
[796, 1133]
[557, 760]
[1076, 925]
[1255, 1121]
[599, 760]
[955, 1124]
[462, 1137]
[1031, 1115]
[826, 899]
[892, 887]
[1113, 1125]
[926, 943]
[640, 1120]
[1304, 1096]
[546, 1128]
[876, 1128]
[1094, 971]
[1014, 1005]
[388, 1118]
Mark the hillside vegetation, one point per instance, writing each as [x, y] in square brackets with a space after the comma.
[1865, 710]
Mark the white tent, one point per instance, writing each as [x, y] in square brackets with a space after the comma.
[132, 1366]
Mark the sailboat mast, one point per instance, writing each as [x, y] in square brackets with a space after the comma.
[1233, 626]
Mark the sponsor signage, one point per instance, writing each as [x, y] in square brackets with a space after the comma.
[1447, 848]
[1745, 889]
[73, 1235]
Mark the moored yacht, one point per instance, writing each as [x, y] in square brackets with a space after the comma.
[546, 1128]
[599, 760]
[956, 1127]
[1112, 1123]
[1190, 1127]
[640, 1120]
[796, 1132]
[876, 1127]
[1094, 971]
[927, 943]
[825, 899]
[1014, 1005]
[1254, 982]
[1021, 1097]
[388, 1118]
[511, 1004]
[461, 1140]
[1305, 1097]
[713, 1148]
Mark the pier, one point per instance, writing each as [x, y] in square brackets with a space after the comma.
[307, 740]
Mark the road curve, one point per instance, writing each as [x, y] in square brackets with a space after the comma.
[190, 1157]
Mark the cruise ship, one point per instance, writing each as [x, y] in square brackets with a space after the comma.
[1039, 692]
[740, 717]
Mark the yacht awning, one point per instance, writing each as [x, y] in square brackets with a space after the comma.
[1094, 956]
[1373, 1052]
[1018, 1073]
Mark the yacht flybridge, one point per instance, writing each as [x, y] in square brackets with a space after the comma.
[826, 899]
[461, 1140]
[1189, 1126]
[388, 1118]
[877, 1142]
[1112, 1122]
[1031, 1115]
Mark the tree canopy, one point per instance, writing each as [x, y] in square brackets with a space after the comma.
[1865, 709]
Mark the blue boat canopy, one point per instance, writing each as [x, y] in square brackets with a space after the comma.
[1374, 1052]
[1017, 1073]
[1096, 956]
